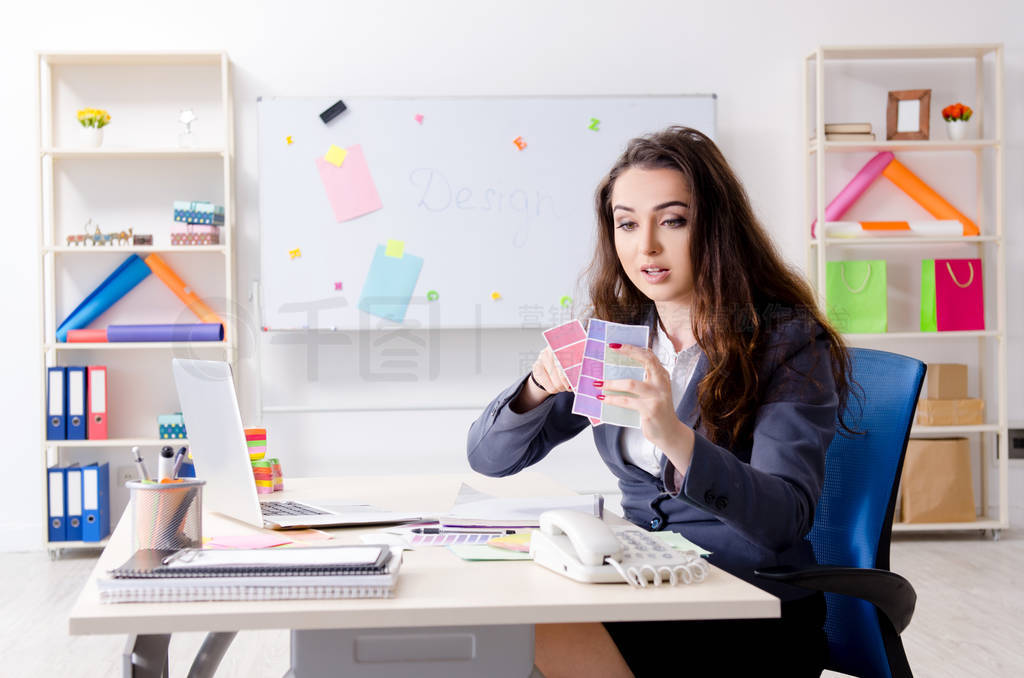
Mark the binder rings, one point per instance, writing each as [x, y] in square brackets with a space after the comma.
[96, 426]
[57, 530]
[56, 403]
[95, 501]
[73, 507]
[76, 403]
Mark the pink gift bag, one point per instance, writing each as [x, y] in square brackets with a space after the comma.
[959, 298]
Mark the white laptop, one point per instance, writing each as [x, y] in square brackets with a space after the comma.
[217, 442]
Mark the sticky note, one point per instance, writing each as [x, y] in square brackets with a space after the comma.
[350, 188]
[419, 118]
[335, 155]
[389, 285]
[295, 253]
[394, 248]
[337, 286]
[288, 140]
[594, 122]
[520, 144]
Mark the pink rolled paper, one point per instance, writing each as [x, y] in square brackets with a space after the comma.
[853, 190]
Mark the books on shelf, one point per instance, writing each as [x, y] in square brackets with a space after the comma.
[852, 136]
[188, 575]
[847, 128]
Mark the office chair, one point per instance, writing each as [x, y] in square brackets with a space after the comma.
[868, 606]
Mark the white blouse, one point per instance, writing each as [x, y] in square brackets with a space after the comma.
[636, 449]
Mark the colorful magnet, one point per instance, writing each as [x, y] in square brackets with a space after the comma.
[335, 155]
[594, 122]
[288, 140]
[418, 118]
[334, 111]
[565, 302]
[520, 144]
[394, 248]
[295, 253]
[432, 295]
[495, 296]
[337, 286]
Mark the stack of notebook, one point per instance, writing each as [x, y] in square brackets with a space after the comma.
[369, 571]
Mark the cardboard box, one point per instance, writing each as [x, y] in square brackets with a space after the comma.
[964, 412]
[947, 381]
[936, 483]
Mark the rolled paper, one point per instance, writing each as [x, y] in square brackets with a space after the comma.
[130, 273]
[874, 229]
[87, 336]
[853, 190]
[183, 292]
[196, 332]
[922, 193]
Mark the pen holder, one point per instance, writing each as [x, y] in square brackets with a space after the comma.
[167, 515]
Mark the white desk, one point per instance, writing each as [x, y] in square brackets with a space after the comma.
[436, 589]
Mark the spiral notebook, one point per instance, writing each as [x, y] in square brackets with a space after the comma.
[285, 574]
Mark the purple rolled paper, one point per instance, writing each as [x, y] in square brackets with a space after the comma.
[173, 332]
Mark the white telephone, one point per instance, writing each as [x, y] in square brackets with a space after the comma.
[585, 548]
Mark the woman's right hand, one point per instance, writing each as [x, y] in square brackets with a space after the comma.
[547, 372]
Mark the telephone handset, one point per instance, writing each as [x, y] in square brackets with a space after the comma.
[585, 548]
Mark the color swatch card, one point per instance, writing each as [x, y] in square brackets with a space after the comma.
[390, 283]
[349, 185]
[567, 342]
[602, 363]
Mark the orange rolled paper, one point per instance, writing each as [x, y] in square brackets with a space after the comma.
[909, 183]
[183, 292]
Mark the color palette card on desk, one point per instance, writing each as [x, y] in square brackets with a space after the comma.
[602, 363]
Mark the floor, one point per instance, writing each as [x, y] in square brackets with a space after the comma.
[970, 593]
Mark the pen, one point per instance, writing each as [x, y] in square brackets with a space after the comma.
[438, 530]
[143, 474]
[179, 459]
[165, 463]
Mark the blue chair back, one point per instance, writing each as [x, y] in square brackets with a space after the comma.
[853, 521]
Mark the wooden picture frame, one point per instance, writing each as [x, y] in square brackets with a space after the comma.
[900, 121]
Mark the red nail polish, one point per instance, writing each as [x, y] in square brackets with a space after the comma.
[600, 397]
[614, 345]
[598, 383]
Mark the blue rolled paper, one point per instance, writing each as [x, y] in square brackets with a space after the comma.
[130, 273]
[173, 332]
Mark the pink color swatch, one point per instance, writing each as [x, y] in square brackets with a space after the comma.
[350, 188]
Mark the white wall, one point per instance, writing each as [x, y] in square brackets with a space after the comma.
[749, 53]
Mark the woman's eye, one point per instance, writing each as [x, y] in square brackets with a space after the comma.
[627, 225]
[674, 223]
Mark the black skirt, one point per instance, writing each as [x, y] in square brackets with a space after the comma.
[794, 645]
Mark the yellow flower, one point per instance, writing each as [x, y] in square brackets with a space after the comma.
[93, 117]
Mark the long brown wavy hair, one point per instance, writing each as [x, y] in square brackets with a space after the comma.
[742, 287]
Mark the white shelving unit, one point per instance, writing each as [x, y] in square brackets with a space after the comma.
[904, 67]
[144, 93]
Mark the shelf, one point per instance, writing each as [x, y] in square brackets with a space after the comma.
[905, 52]
[133, 58]
[116, 345]
[54, 545]
[908, 240]
[116, 249]
[118, 442]
[980, 524]
[943, 430]
[134, 152]
[922, 335]
[924, 145]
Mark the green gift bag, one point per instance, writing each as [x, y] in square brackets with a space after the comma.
[856, 293]
[929, 317]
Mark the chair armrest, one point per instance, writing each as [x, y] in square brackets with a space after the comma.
[888, 591]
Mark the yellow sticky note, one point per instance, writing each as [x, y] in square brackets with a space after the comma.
[395, 248]
[335, 155]
[295, 253]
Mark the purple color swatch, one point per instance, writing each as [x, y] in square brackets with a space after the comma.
[592, 368]
[588, 406]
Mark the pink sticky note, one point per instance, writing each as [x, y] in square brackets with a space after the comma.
[350, 188]
[247, 541]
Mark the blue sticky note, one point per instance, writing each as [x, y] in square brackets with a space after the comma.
[389, 285]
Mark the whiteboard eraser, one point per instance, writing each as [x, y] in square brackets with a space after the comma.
[333, 112]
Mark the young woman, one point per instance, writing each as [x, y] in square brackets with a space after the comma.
[743, 382]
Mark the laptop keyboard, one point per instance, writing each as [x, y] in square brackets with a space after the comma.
[288, 508]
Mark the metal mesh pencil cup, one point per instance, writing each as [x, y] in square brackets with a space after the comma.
[167, 515]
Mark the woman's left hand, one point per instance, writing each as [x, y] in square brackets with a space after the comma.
[652, 399]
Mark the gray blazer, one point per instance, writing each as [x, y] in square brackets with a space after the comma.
[751, 503]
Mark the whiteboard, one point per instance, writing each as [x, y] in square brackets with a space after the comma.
[503, 232]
